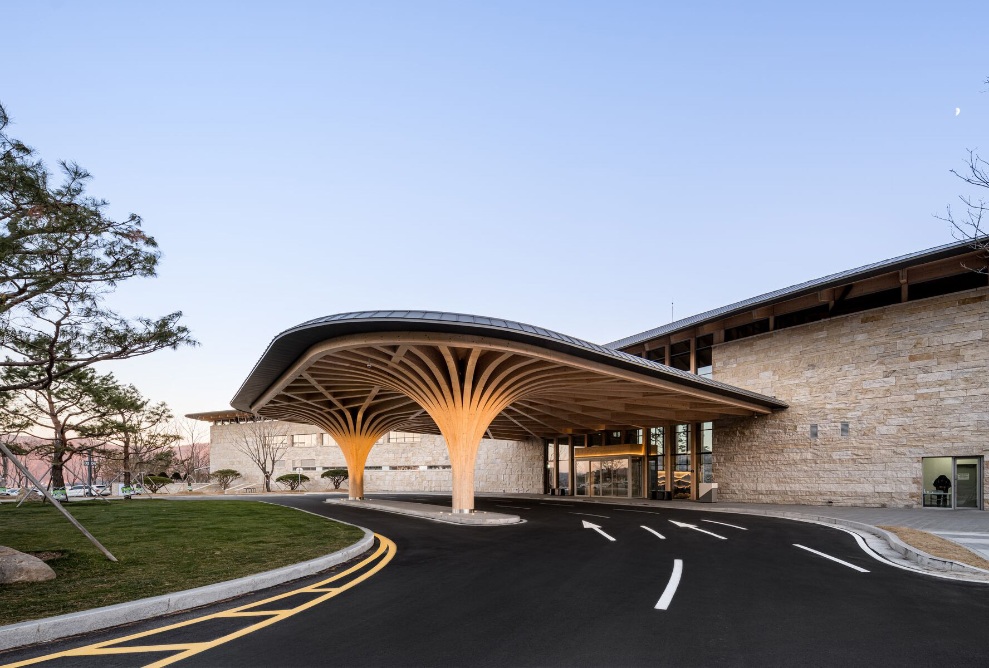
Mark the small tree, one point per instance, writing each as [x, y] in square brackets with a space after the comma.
[60, 257]
[224, 477]
[153, 483]
[292, 480]
[264, 442]
[336, 476]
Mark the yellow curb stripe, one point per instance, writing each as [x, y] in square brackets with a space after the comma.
[386, 550]
[138, 649]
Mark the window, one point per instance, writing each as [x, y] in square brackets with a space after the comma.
[308, 464]
[947, 285]
[657, 354]
[813, 431]
[844, 430]
[681, 462]
[657, 462]
[403, 437]
[578, 441]
[680, 355]
[706, 446]
[597, 438]
[633, 437]
[751, 329]
[306, 440]
[705, 355]
[613, 437]
[657, 440]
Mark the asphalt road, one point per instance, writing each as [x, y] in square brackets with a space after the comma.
[555, 592]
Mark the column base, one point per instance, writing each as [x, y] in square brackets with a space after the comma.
[462, 511]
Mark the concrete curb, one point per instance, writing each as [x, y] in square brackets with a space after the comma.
[53, 628]
[433, 513]
[908, 552]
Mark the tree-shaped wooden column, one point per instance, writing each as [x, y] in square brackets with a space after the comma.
[462, 388]
[356, 418]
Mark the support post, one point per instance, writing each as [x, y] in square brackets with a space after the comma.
[355, 449]
[55, 503]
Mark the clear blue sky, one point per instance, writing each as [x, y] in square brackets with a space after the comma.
[575, 165]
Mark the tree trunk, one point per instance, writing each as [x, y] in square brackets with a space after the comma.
[126, 457]
[58, 462]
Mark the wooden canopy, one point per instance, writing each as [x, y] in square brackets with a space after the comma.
[360, 375]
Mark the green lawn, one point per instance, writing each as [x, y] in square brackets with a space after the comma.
[162, 546]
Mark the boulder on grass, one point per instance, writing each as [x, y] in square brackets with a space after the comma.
[19, 567]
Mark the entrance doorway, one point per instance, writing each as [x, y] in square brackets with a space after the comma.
[609, 476]
[952, 482]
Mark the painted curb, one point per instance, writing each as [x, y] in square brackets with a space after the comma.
[53, 628]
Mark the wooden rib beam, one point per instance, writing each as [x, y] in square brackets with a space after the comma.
[359, 387]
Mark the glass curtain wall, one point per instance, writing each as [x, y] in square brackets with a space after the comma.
[706, 447]
[563, 465]
[657, 462]
[681, 462]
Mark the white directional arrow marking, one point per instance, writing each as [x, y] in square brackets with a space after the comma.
[697, 528]
[588, 525]
[653, 531]
[725, 524]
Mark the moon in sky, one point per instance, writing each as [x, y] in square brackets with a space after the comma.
[957, 111]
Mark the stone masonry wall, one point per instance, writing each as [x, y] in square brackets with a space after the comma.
[502, 466]
[910, 379]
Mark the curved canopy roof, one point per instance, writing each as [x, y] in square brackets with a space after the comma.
[395, 363]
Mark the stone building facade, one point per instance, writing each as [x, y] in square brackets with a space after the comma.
[399, 462]
[907, 381]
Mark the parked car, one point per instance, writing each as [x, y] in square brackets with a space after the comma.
[13, 491]
[98, 490]
[75, 490]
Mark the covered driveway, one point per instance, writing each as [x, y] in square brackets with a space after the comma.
[360, 375]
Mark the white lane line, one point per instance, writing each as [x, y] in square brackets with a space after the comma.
[519, 507]
[565, 505]
[697, 528]
[671, 587]
[725, 524]
[590, 525]
[624, 510]
[590, 515]
[828, 556]
[653, 531]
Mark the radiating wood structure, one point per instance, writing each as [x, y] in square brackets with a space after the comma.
[358, 387]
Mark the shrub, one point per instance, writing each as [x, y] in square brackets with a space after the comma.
[292, 480]
[155, 482]
[224, 477]
[336, 476]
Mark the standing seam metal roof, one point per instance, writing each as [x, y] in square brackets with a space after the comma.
[288, 346]
[800, 289]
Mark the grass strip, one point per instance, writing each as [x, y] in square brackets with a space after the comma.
[936, 546]
[162, 547]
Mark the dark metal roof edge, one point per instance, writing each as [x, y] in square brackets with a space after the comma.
[799, 290]
[286, 348]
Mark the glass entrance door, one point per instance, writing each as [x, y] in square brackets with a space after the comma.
[612, 476]
[967, 483]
